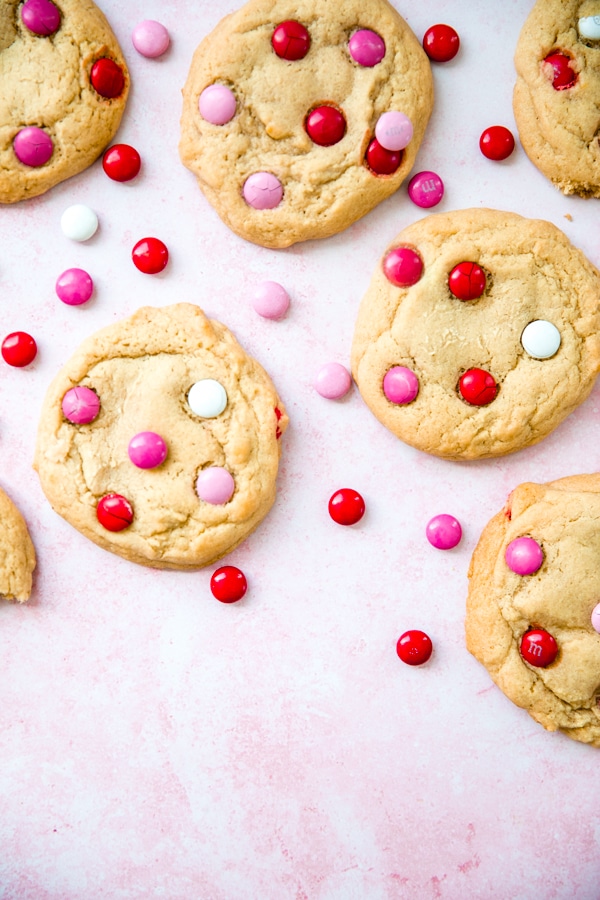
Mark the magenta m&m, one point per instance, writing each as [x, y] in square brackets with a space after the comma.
[270, 300]
[217, 104]
[41, 17]
[394, 130]
[366, 47]
[18, 349]
[524, 556]
[414, 647]
[426, 189]
[228, 584]
[147, 450]
[538, 647]
[443, 532]
[80, 405]
[403, 266]
[262, 190]
[33, 147]
[215, 485]
[400, 385]
[150, 38]
[333, 381]
[74, 287]
[346, 507]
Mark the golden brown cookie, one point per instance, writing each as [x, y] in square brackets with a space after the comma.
[479, 333]
[557, 93]
[533, 611]
[280, 111]
[63, 88]
[159, 439]
[17, 556]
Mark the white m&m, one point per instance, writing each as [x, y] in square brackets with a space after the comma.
[541, 339]
[207, 398]
[589, 27]
[79, 222]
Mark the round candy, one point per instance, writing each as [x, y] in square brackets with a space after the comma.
[524, 556]
[366, 47]
[150, 38]
[541, 339]
[262, 190]
[217, 104]
[477, 387]
[325, 125]
[333, 381]
[114, 512]
[80, 405]
[290, 40]
[441, 43]
[426, 189]
[228, 584]
[414, 647]
[270, 300]
[596, 618]
[121, 162]
[346, 507]
[33, 147]
[400, 385]
[403, 266]
[79, 222]
[107, 78]
[497, 142]
[74, 287]
[467, 281]
[150, 256]
[41, 17]
[443, 532]
[589, 28]
[538, 648]
[18, 349]
[215, 485]
[394, 130]
[382, 161]
[560, 71]
[207, 398]
[147, 450]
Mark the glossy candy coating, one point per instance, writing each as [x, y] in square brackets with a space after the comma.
[107, 78]
[538, 648]
[366, 47]
[559, 70]
[80, 405]
[477, 387]
[443, 532]
[147, 450]
[426, 189]
[382, 161]
[394, 130]
[263, 190]
[207, 398]
[325, 125]
[74, 287]
[524, 556]
[150, 255]
[114, 512]
[414, 647]
[217, 104]
[41, 17]
[497, 142]
[79, 222]
[121, 162]
[333, 381]
[589, 28]
[270, 300]
[33, 147]
[595, 618]
[400, 385]
[150, 38]
[441, 43]
[228, 584]
[290, 40]
[467, 281]
[18, 349]
[215, 485]
[541, 339]
[403, 267]
[346, 507]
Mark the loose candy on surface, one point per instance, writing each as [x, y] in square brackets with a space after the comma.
[497, 142]
[366, 47]
[228, 584]
[80, 405]
[426, 189]
[147, 450]
[263, 190]
[414, 647]
[443, 532]
[107, 78]
[394, 130]
[150, 255]
[33, 147]
[524, 556]
[333, 381]
[150, 38]
[217, 104]
[441, 43]
[270, 300]
[41, 17]
[207, 398]
[400, 385]
[538, 647]
[541, 339]
[215, 485]
[74, 287]
[403, 267]
[121, 162]
[79, 222]
[346, 507]
[114, 512]
[18, 349]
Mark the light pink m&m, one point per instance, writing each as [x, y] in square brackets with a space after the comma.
[147, 450]
[215, 485]
[400, 385]
[333, 381]
[524, 556]
[426, 189]
[33, 147]
[366, 47]
[150, 38]
[80, 405]
[270, 300]
[394, 130]
[262, 190]
[443, 532]
[217, 104]
[41, 17]
[403, 266]
[596, 618]
[74, 287]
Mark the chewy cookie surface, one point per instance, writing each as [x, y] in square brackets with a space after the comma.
[63, 88]
[557, 93]
[17, 555]
[282, 141]
[532, 609]
[159, 439]
[479, 333]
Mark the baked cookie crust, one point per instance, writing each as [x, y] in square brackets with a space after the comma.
[17, 554]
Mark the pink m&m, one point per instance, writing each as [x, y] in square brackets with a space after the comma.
[74, 287]
[403, 266]
[41, 17]
[33, 147]
[270, 300]
[426, 189]
[524, 556]
[333, 381]
[394, 130]
[217, 104]
[147, 450]
[80, 405]
[596, 618]
[215, 485]
[443, 532]
[366, 47]
[150, 38]
[262, 190]
[400, 385]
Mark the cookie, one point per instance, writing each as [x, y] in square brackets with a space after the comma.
[17, 556]
[557, 93]
[159, 439]
[532, 610]
[300, 117]
[479, 333]
[63, 88]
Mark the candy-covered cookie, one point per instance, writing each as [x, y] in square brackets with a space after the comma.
[159, 439]
[557, 93]
[17, 556]
[533, 609]
[300, 117]
[63, 87]
[479, 333]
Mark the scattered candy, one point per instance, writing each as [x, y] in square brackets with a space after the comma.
[333, 381]
[497, 142]
[150, 256]
[270, 300]
[477, 387]
[443, 532]
[403, 266]
[346, 507]
[291, 40]
[150, 38]
[147, 450]
[596, 618]
[217, 104]
[541, 339]
[441, 43]
[394, 130]
[215, 485]
[559, 69]
[414, 647]
[207, 398]
[426, 189]
[366, 47]
[74, 287]
[121, 162]
[524, 556]
[467, 281]
[228, 584]
[262, 190]
[41, 17]
[538, 648]
[114, 512]
[107, 78]
[80, 405]
[79, 222]
[33, 147]
[325, 125]
[589, 28]
[381, 161]
[18, 349]
[400, 385]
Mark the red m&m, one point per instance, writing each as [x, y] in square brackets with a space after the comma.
[150, 256]
[228, 584]
[346, 507]
[477, 387]
[558, 66]
[107, 78]
[403, 266]
[441, 43]
[121, 162]
[19, 349]
[114, 512]
[497, 142]
[538, 648]
[325, 125]
[467, 281]
[414, 647]
[382, 161]
[290, 40]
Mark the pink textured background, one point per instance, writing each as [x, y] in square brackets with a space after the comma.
[156, 743]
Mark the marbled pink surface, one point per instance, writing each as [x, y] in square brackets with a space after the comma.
[157, 743]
